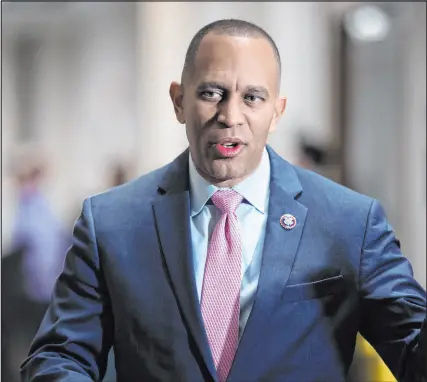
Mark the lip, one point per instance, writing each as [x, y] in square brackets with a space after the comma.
[227, 140]
[228, 152]
[224, 141]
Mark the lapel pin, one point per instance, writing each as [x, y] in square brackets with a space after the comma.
[288, 221]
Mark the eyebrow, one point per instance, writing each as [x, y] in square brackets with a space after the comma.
[261, 90]
[211, 85]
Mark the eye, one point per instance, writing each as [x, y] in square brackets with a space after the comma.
[252, 98]
[211, 95]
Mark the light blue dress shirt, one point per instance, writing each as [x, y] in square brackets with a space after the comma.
[252, 216]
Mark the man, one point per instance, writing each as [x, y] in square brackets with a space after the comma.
[230, 262]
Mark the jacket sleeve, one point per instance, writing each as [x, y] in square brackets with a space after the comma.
[393, 304]
[76, 334]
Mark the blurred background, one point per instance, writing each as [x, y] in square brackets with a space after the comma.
[85, 106]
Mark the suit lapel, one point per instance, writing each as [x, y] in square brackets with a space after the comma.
[172, 214]
[280, 248]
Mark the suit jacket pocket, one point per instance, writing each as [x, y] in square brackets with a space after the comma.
[315, 289]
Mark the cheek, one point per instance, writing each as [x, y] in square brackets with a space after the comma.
[260, 127]
[198, 114]
[205, 111]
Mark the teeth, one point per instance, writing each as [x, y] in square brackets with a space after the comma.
[228, 145]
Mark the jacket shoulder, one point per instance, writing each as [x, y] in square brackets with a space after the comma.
[330, 195]
[129, 196]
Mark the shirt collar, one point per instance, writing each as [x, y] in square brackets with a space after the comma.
[254, 188]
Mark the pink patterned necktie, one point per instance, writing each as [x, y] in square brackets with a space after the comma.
[220, 302]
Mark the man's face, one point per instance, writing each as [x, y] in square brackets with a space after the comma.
[229, 104]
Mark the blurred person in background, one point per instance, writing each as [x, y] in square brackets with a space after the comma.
[39, 244]
[230, 263]
[311, 156]
[41, 235]
[119, 174]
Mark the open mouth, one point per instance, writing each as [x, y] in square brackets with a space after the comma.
[229, 147]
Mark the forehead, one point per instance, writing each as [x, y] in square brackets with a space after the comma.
[246, 60]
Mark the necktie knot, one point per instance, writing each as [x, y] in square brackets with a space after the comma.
[227, 200]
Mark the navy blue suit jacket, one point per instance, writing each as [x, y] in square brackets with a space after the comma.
[128, 282]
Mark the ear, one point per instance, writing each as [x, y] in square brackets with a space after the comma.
[177, 96]
[279, 109]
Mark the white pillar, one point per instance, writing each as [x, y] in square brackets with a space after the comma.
[300, 31]
[161, 48]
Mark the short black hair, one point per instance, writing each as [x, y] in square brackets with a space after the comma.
[228, 27]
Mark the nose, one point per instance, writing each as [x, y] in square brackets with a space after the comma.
[230, 112]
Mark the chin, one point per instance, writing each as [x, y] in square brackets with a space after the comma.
[225, 173]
